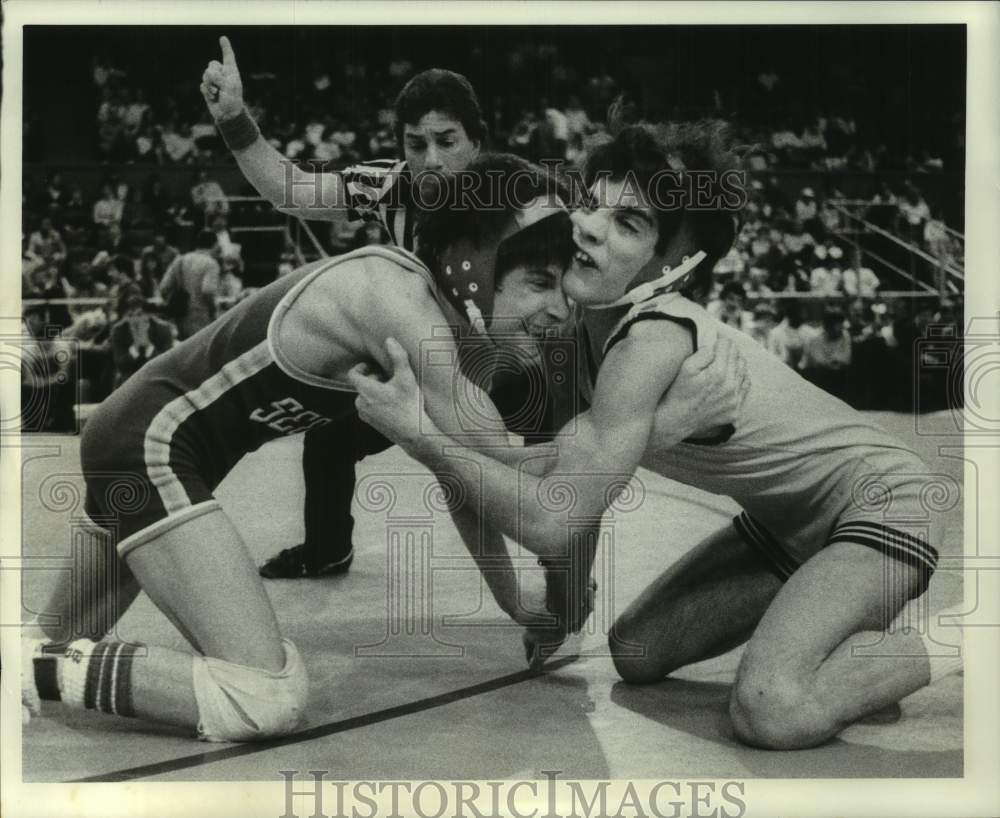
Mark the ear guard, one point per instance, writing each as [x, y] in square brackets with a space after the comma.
[467, 272]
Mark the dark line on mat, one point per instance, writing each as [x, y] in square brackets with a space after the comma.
[185, 762]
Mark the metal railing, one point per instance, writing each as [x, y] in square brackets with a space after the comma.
[952, 272]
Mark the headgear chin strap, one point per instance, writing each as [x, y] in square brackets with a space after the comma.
[651, 288]
[467, 273]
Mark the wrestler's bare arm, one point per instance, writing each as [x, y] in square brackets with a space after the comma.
[319, 196]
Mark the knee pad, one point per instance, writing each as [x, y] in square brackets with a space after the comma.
[240, 703]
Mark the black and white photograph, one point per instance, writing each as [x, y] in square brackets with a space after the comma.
[417, 409]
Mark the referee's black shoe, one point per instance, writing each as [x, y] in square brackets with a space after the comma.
[290, 563]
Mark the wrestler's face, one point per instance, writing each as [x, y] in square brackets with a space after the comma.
[528, 304]
[615, 233]
[435, 147]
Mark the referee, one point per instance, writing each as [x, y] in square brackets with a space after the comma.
[439, 123]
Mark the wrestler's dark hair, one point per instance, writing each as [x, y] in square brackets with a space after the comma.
[478, 203]
[446, 92]
[644, 151]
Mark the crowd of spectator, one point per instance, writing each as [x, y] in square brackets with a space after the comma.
[805, 244]
[861, 348]
[107, 284]
[98, 279]
[344, 114]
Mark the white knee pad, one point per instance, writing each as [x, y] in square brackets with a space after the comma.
[240, 703]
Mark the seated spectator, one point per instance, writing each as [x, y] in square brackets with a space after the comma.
[812, 138]
[554, 132]
[760, 244]
[759, 160]
[807, 212]
[522, 134]
[48, 389]
[914, 211]
[296, 145]
[860, 323]
[107, 209]
[730, 265]
[829, 218]
[55, 194]
[76, 216]
[164, 252]
[762, 324]
[205, 136]
[148, 276]
[758, 284]
[46, 243]
[786, 340]
[328, 149]
[135, 112]
[885, 195]
[342, 134]
[382, 144]
[948, 318]
[137, 215]
[112, 241]
[820, 279]
[120, 274]
[785, 140]
[149, 145]
[83, 285]
[207, 195]
[121, 188]
[158, 200]
[313, 131]
[859, 280]
[729, 306]
[110, 128]
[797, 242]
[178, 144]
[827, 355]
[884, 323]
[136, 337]
[44, 282]
[90, 334]
[836, 280]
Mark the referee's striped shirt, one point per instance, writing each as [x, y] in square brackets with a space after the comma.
[379, 190]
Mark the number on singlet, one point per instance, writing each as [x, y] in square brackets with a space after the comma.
[287, 417]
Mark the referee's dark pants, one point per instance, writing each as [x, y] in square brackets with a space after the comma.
[329, 456]
[331, 453]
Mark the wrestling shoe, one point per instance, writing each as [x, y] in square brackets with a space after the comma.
[290, 563]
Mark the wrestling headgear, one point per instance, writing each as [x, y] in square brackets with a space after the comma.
[467, 272]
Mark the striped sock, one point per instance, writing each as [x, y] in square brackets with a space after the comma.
[91, 675]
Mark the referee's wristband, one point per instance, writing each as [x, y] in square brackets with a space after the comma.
[239, 132]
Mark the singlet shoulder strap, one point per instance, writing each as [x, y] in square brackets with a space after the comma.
[656, 308]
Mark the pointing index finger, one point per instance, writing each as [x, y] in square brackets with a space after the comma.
[228, 55]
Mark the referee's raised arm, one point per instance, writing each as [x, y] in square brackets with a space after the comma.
[320, 196]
